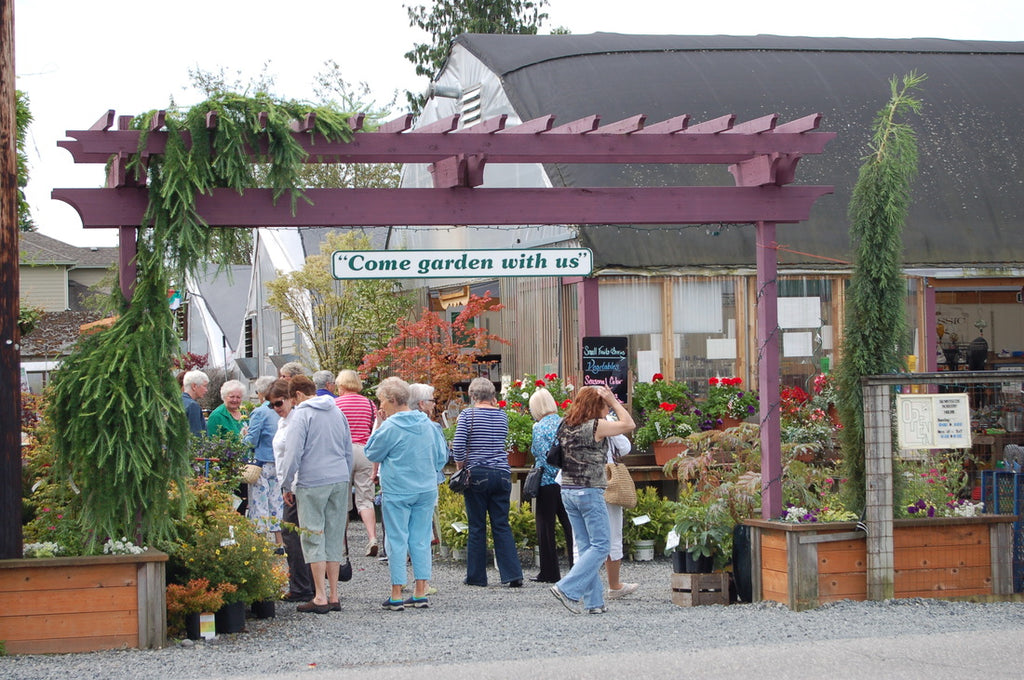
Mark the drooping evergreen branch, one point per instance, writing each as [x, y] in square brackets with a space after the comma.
[874, 340]
[117, 409]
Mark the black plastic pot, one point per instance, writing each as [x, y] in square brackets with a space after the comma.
[230, 618]
[683, 562]
[264, 609]
[741, 566]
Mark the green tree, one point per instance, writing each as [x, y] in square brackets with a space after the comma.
[446, 19]
[22, 119]
[344, 320]
[875, 340]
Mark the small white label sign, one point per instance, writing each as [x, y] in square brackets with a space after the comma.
[446, 264]
[933, 421]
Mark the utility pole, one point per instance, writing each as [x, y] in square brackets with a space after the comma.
[10, 337]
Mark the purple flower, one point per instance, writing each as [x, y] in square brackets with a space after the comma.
[912, 509]
[931, 512]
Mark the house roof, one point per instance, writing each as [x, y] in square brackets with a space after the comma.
[967, 201]
[37, 249]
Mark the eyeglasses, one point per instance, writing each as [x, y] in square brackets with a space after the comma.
[277, 404]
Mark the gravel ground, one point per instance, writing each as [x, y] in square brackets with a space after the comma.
[501, 628]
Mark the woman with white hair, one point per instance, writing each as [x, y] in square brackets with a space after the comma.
[411, 452]
[228, 417]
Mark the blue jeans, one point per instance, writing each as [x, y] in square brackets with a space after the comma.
[488, 495]
[408, 526]
[588, 515]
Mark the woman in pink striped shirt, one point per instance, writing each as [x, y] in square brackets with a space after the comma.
[360, 413]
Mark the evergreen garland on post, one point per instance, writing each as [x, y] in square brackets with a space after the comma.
[874, 340]
[116, 407]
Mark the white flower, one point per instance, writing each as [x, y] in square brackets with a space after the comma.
[794, 514]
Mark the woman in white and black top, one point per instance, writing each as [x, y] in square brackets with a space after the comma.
[479, 444]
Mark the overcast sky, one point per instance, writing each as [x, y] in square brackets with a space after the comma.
[78, 58]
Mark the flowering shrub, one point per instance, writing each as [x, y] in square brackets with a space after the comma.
[726, 399]
[662, 409]
[805, 417]
[516, 403]
[932, 488]
[121, 547]
[219, 458]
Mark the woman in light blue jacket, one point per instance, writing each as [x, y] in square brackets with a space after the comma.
[411, 451]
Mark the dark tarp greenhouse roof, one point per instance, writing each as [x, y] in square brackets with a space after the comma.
[968, 198]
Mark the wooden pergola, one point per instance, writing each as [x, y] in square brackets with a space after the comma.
[762, 155]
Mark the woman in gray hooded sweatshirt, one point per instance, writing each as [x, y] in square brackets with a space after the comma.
[316, 469]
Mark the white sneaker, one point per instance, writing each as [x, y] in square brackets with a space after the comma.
[626, 589]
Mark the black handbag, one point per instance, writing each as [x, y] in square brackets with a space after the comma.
[459, 481]
[554, 455]
[531, 485]
[345, 571]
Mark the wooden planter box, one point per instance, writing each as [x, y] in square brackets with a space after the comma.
[804, 565]
[83, 604]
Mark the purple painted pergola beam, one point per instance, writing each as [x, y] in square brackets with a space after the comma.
[96, 146]
[101, 208]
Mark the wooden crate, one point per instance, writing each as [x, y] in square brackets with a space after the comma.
[691, 590]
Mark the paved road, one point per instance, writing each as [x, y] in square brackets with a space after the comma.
[956, 656]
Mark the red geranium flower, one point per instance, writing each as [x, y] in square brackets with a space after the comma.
[713, 381]
[502, 403]
[667, 406]
[539, 383]
[657, 377]
[517, 383]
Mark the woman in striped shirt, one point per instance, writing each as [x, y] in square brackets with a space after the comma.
[479, 444]
[360, 413]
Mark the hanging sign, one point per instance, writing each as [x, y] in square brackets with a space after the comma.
[933, 421]
[606, 362]
[447, 264]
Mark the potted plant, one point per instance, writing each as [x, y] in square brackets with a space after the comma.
[185, 604]
[646, 525]
[218, 544]
[727, 403]
[664, 415]
[704, 526]
[454, 523]
[516, 403]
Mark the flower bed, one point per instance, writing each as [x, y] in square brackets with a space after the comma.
[83, 604]
[805, 565]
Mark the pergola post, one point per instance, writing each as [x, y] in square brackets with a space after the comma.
[768, 371]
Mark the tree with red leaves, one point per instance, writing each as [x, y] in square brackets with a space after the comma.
[435, 351]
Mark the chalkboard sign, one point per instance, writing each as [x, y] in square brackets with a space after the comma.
[606, 362]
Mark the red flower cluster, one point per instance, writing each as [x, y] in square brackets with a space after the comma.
[539, 383]
[657, 377]
[550, 376]
[565, 404]
[725, 382]
[502, 403]
[667, 406]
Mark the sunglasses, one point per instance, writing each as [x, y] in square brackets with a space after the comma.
[277, 404]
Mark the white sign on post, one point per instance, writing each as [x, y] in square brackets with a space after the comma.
[422, 264]
[933, 421]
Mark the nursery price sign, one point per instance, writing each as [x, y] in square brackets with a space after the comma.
[933, 421]
[606, 362]
[425, 264]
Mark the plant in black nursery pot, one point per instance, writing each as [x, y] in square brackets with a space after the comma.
[704, 528]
